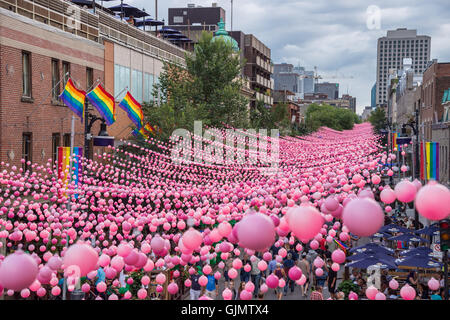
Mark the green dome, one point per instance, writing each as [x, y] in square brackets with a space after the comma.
[223, 34]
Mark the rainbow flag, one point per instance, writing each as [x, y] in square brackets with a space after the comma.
[104, 103]
[63, 164]
[394, 140]
[341, 245]
[133, 109]
[429, 160]
[141, 133]
[149, 128]
[73, 98]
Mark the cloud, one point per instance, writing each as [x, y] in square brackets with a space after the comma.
[332, 35]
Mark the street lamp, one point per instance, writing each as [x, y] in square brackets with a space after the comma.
[102, 139]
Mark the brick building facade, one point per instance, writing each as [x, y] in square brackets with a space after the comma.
[34, 57]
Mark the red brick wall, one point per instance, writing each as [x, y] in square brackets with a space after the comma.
[44, 119]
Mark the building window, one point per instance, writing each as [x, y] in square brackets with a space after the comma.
[27, 150]
[56, 141]
[66, 140]
[89, 78]
[26, 74]
[66, 71]
[55, 79]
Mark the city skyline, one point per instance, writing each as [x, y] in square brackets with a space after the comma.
[329, 32]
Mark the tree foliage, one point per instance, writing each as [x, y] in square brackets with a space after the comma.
[378, 119]
[329, 116]
[207, 89]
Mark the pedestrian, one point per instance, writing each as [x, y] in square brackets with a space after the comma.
[195, 289]
[320, 280]
[332, 278]
[279, 272]
[260, 296]
[272, 265]
[255, 274]
[412, 279]
[212, 288]
[287, 265]
[316, 294]
[304, 266]
[241, 288]
[233, 290]
[226, 268]
[244, 275]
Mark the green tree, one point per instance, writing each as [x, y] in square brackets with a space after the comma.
[378, 119]
[329, 116]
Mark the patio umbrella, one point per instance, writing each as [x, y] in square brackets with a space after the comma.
[394, 228]
[371, 254]
[372, 246]
[415, 251]
[148, 22]
[418, 261]
[169, 30]
[128, 10]
[408, 238]
[371, 261]
[428, 231]
[380, 235]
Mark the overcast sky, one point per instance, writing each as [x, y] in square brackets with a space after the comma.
[339, 37]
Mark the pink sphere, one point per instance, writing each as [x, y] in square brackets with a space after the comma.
[142, 293]
[338, 256]
[305, 222]
[405, 191]
[371, 292]
[331, 203]
[335, 267]
[262, 265]
[203, 281]
[387, 195]
[256, 231]
[407, 292]
[433, 284]
[393, 284]
[192, 239]
[319, 272]
[82, 256]
[295, 273]
[380, 296]
[272, 281]
[314, 244]
[172, 288]
[227, 294]
[352, 296]
[18, 271]
[160, 278]
[433, 201]
[232, 273]
[363, 217]
[245, 295]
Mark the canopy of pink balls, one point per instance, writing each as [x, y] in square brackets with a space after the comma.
[134, 209]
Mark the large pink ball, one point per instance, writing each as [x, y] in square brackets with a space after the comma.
[319, 272]
[335, 267]
[433, 201]
[232, 273]
[227, 294]
[256, 231]
[101, 286]
[405, 191]
[393, 284]
[54, 262]
[331, 203]
[160, 278]
[192, 239]
[117, 263]
[363, 217]
[245, 295]
[387, 195]
[380, 296]
[295, 273]
[352, 296]
[305, 222]
[433, 284]
[302, 280]
[172, 288]
[18, 271]
[338, 256]
[371, 292]
[83, 256]
[272, 281]
[124, 250]
[203, 281]
[407, 292]
[142, 293]
[262, 265]
[314, 244]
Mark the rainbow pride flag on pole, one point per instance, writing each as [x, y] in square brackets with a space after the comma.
[341, 245]
[141, 133]
[63, 164]
[74, 98]
[149, 128]
[429, 160]
[133, 109]
[104, 103]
